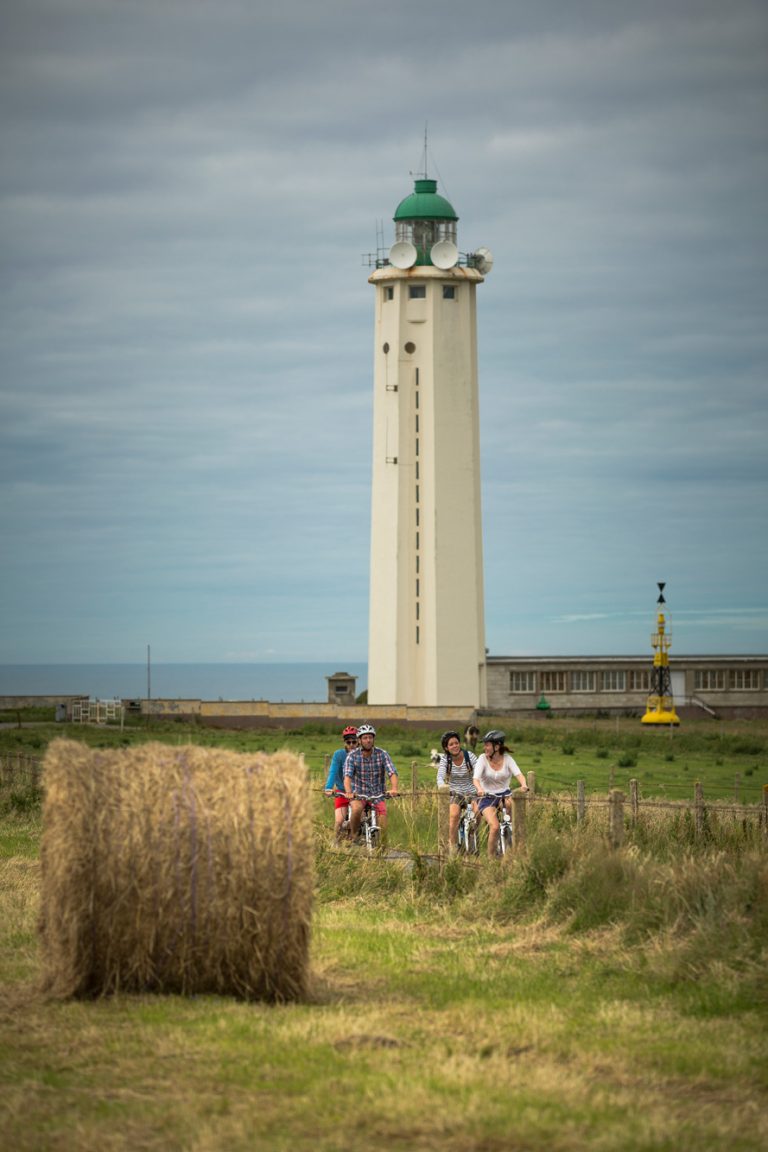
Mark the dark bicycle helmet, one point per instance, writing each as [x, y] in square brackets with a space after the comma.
[446, 736]
[495, 736]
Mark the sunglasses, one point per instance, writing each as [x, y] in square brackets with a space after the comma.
[350, 740]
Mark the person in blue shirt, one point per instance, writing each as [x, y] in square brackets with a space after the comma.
[334, 785]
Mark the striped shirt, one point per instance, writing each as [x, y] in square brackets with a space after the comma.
[459, 777]
[369, 774]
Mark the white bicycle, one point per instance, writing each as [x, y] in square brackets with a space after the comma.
[504, 839]
[467, 831]
[370, 829]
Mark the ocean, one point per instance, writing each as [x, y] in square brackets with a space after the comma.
[274, 682]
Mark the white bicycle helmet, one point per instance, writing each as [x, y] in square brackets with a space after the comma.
[366, 730]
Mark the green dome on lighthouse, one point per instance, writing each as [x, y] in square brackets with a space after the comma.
[424, 219]
[425, 203]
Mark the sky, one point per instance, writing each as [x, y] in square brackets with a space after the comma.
[188, 194]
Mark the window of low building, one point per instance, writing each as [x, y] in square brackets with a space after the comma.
[522, 681]
[553, 682]
[709, 679]
[583, 681]
[745, 679]
[613, 680]
[638, 680]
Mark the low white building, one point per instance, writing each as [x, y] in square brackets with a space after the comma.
[720, 685]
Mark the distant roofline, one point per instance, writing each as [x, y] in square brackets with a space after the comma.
[648, 656]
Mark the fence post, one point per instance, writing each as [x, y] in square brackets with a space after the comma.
[519, 805]
[698, 800]
[765, 811]
[531, 780]
[616, 817]
[634, 801]
[414, 780]
[443, 817]
[580, 802]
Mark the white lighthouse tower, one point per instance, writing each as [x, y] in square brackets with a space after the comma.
[426, 630]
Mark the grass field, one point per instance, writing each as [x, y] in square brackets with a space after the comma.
[577, 998]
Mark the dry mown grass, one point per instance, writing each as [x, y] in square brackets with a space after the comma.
[438, 1017]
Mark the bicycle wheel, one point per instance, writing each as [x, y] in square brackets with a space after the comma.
[374, 834]
[472, 848]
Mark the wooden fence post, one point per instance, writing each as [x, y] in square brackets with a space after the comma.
[531, 779]
[698, 800]
[634, 801]
[414, 781]
[765, 811]
[580, 802]
[443, 817]
[616, 817]
[519, 805]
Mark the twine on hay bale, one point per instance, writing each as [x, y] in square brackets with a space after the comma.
[183, 869]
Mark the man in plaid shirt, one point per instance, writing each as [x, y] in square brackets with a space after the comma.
[365, 775]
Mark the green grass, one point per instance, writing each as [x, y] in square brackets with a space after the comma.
[573, 998]
[729, 758]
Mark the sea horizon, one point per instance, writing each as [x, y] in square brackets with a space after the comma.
[275, 681]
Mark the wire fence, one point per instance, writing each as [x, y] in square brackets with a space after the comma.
[623, 812]
[21, 772]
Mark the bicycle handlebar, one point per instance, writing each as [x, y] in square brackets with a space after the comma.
[369, 799]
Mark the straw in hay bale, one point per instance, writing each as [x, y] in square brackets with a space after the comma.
[175, 869]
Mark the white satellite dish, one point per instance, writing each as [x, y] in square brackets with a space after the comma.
[483, 261]
[402, 254]
[444, 254]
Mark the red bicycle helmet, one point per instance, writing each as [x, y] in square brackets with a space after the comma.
[349, 733]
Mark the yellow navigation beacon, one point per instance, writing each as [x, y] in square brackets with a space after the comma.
[660, 708]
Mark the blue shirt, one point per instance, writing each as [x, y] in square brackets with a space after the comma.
[336, 771]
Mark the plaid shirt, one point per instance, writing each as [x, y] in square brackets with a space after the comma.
[369, 774]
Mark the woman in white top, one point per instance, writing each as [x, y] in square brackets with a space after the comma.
[493, 775]
[455, 771]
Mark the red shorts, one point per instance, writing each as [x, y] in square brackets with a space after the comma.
[379, 805]
[341, 802]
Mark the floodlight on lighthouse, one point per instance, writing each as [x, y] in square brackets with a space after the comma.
[483, 260]
[403, 254]
[444, 254]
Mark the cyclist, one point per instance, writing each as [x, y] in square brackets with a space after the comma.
[367, 771]
[455, 771]
[493, 775]
[334, 785]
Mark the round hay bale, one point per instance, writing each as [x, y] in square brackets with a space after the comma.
[175, 869]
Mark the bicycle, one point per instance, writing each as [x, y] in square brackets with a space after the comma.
[505, 838]
[369, 826]
[467, 831]
[343, 830]
[504, 842]
[370, 829]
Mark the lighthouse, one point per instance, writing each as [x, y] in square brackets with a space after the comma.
[426, 619]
